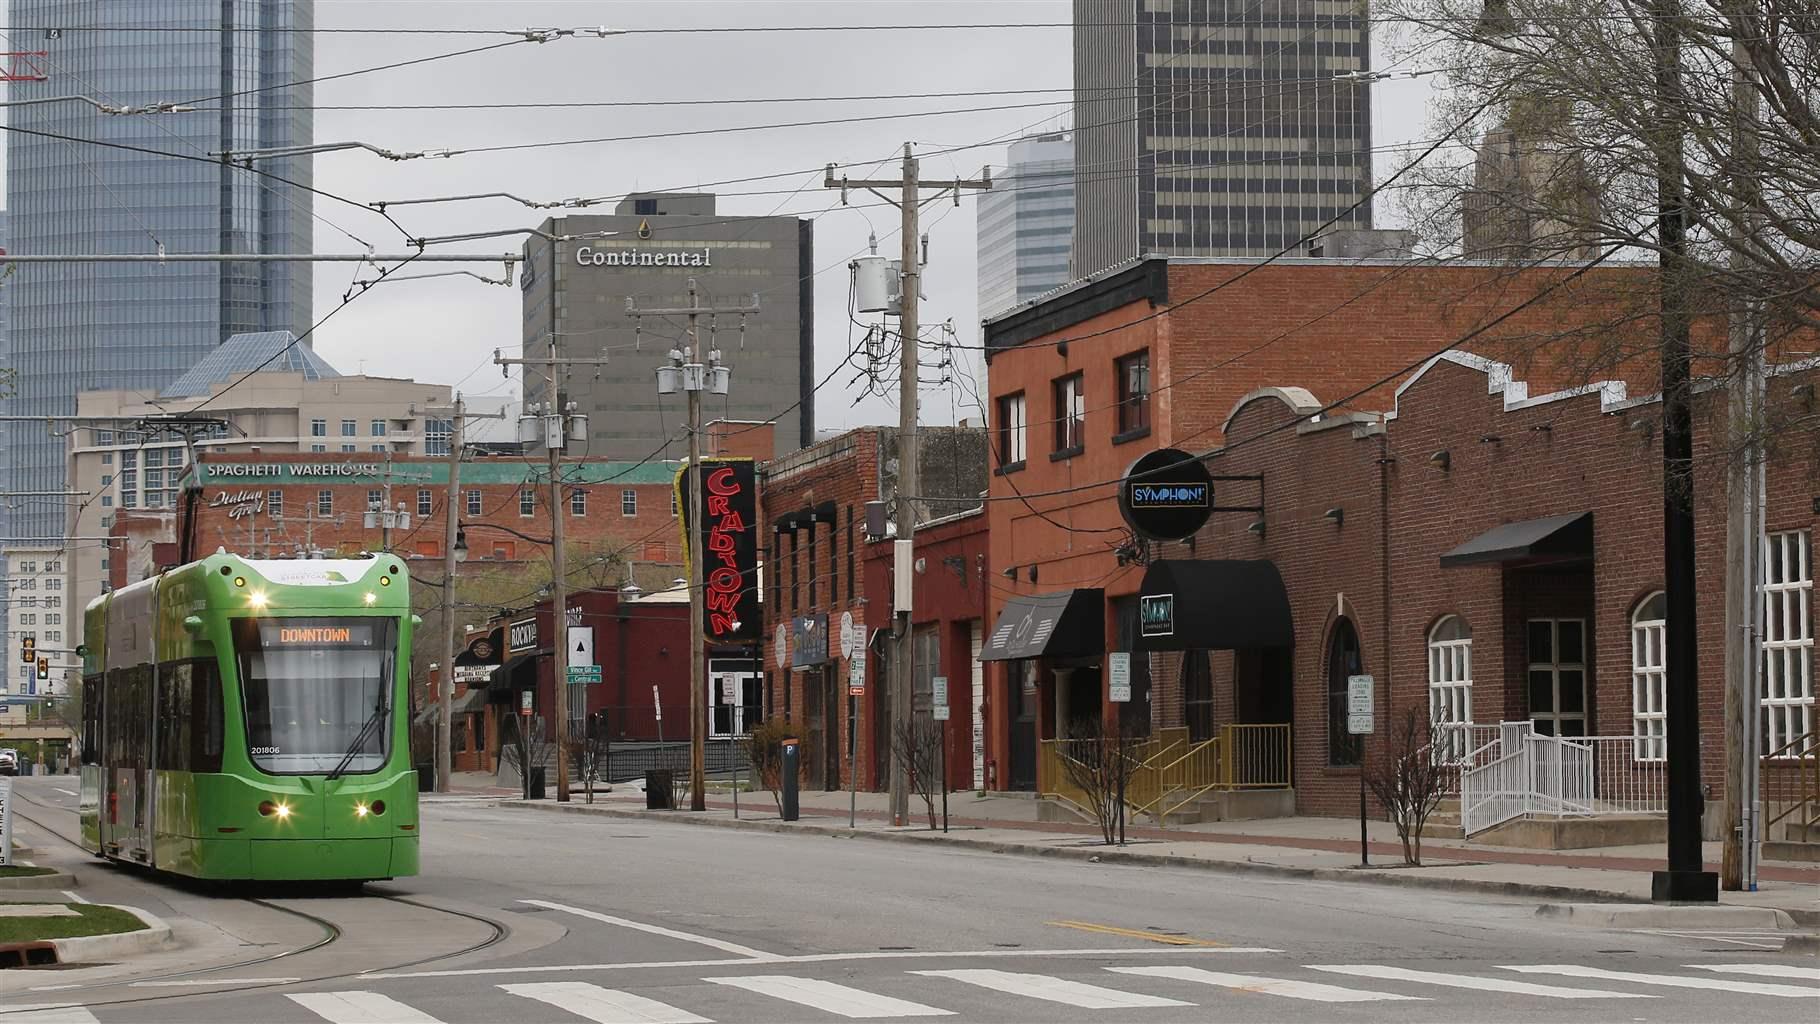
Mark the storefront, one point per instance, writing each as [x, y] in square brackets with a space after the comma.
[1053, 646]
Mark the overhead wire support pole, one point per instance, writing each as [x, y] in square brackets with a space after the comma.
[509, 259]
[453, 553]
[696, 371]
[909, 204]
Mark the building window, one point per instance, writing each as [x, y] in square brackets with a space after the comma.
[1343, 662]
[814, 538]
[154, 499]
[1648, 680]
[377, 428]
[1070, 415]
[107, 458]
[527, 501]
[1011, 431]
[1788, 639]
[129, 460]
[375, 499]
[1557, 676]
[378, 449]
[578, 502]
[1450, 686]
[154, 457]
[437, 436]
[628, 502]
[350, 448]
[107, 501]
[1133, 373]
[274, 504]
[154, 478]
[319, 448]
[473, 503]
[347, 428]
[325, 503]
[104, 437]
[129, 499]
[851, 537]
[319, 428]
[675, 504]
[424, 501]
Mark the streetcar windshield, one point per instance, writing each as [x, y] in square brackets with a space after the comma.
[317, 692]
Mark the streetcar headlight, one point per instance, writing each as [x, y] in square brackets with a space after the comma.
[360, 810]
[371, 597]
[256, 599]
[270, 809]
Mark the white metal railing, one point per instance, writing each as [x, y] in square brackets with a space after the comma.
[1463, 743]
[1521, 773]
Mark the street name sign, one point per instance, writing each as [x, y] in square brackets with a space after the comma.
[584, 673]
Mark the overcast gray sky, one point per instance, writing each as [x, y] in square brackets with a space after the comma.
[445, 330]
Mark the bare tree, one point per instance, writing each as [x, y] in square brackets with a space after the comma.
[917, 747]
[1554, 133]
[1100, 764]
[765, 753]
[1410, 780]
[530, 748]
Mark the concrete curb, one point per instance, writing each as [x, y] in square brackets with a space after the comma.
[1805, 943]
[156, 935]
[1112, 855]
[54, 880]
[1611, 915]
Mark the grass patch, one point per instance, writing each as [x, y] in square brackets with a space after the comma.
[94, 920]
[24, 871]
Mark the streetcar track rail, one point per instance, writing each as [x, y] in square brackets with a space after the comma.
[331, 933]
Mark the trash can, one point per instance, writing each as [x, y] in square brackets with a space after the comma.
[660, 790]
[535, 789]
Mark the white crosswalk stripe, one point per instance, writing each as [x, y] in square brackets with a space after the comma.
[359, 1008]
[1055, 990]
[828, 996]
[46, 1013]
[1267, 986]
[603, 1005]
[1763, 970]
[1749, 988]
[1521, 988]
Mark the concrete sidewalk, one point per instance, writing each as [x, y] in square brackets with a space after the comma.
[1320, 848]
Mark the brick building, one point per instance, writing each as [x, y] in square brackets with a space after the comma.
[272, 504]
[813, 507]
[1347, 552]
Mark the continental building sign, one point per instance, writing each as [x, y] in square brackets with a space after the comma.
[588, 256]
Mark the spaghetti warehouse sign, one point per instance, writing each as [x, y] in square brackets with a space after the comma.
[727, 539]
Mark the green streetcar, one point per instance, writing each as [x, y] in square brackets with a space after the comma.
[242, 719]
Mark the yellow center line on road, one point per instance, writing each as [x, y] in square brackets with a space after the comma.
[1134, 933]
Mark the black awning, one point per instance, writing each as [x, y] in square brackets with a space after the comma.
[1550, 539]
[1068, 624]
[1215, 605]
[504, 682]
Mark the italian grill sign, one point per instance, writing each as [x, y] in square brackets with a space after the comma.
[727, 539]
[1167, 494]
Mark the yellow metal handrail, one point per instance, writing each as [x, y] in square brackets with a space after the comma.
[1170, 771]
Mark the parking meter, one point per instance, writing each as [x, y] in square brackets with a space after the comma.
[792, 753]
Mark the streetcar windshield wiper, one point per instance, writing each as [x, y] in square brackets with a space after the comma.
[360, 738]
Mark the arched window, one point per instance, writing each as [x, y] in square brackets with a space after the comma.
[1343, 660]
[1450, 685]
[1648, 688]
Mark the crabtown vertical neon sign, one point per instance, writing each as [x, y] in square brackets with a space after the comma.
[728, 540]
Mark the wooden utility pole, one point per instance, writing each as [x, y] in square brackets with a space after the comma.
[1743, 508]
[909, 204]
[698, 371]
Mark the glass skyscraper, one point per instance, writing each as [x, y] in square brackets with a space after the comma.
[1217, 127]
[1026, 223]
[83, 326]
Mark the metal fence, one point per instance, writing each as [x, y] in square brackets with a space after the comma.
[1523, 773]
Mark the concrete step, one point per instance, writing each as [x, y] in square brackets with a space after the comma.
[1804, 853]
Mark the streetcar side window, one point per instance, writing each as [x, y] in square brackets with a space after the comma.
[205, 715]
[174, 716]
[189, 716]
[91, 718]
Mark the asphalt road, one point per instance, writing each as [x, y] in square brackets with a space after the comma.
[583, 919]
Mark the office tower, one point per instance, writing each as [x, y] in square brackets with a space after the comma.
[1026, 223]
[1217, 127]
[87, 326]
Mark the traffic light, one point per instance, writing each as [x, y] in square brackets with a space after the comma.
[597, 726]
[44, 668]
[28, 649]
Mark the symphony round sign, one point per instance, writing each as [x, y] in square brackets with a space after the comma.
[1167, 494]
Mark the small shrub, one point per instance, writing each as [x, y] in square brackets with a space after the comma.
[765, 753]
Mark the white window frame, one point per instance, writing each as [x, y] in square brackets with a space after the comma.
[527, 501]
[1013, 429]
[325, 503]
[1450, 685]
[1649, 679]
[425, 503]
[578, 502]
[1788, 637]
[628, 502]
[747, 678]
[473, 499]
[274, 504]
[1555, 716]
